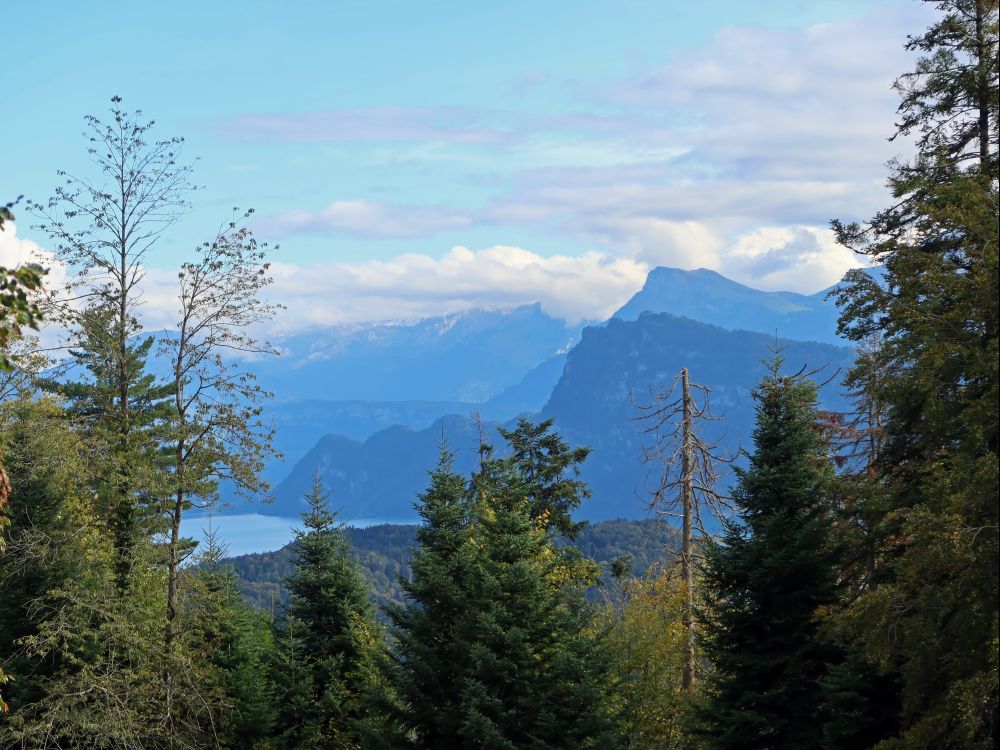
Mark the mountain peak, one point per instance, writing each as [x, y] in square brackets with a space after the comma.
[708, 296]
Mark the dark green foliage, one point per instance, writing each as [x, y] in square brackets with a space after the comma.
[544, 459]
[432, 658]
[235, 644]
[383, 553]
[536, 677]
[861, 703]
[42, 456]
[17, 309]
[929, 609]
[332, 636]
[122, 412]
[766, 578]
[495, 649]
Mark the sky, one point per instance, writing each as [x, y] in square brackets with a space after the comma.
[412, 159]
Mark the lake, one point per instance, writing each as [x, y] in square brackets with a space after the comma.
[252, 532]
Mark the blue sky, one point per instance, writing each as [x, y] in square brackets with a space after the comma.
[413, 158]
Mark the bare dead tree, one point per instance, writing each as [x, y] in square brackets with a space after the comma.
[686, 486]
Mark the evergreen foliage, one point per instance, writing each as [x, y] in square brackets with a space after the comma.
[766, 578]
[931, 508]
[123, 435]
[495, 649]
[332, 637]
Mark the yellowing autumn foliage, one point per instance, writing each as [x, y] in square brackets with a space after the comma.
[644, 634]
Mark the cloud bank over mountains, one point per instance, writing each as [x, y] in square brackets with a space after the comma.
[732, 156]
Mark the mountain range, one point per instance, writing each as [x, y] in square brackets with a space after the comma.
[438, 374]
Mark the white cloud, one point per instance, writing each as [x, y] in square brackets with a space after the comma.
[15, 251]
[586, 287]
[658, 241]
[763, 133]
[799, 258]
[461, 125]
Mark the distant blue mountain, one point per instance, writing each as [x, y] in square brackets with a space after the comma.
[300, 424]
[709, 297]
[366, 404]
[530, 394]
[464, 357]
[591, 405]
[356, 380]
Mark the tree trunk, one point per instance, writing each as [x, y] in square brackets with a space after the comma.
[687, 500]
[983, 86]
[173, 552]
[173, 572]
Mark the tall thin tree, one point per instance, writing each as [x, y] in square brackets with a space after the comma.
[104, 227]
[216, 426]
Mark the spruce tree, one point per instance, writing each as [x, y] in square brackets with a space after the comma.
[766, 578]
[232, 643]
[551, 470]
[431, 660]
[538, 677]
[123, 433]
[496, 649]
[335, 635]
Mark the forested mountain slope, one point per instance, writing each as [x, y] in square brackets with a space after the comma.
[383, 552]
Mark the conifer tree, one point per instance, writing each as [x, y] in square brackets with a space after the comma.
[766, 578]
[234, 642]
[551, 470]
[336, 637]
[123, 437]
[44, 459]
[496, 650]
[431, 660]
[932, 504]
[537, 677]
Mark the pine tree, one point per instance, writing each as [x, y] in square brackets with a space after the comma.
[233, 644]
[335, 636]
[932, 506]
[766, 578]
[551, 470]
[123, 436]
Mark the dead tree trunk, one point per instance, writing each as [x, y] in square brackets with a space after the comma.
[686, 486]
[687, 547]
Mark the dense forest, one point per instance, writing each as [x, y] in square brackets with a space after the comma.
[843, 593]
[383, 555]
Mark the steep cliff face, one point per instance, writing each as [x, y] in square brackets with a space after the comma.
[615, 365]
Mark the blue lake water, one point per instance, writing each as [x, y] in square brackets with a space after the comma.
[252, 532]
